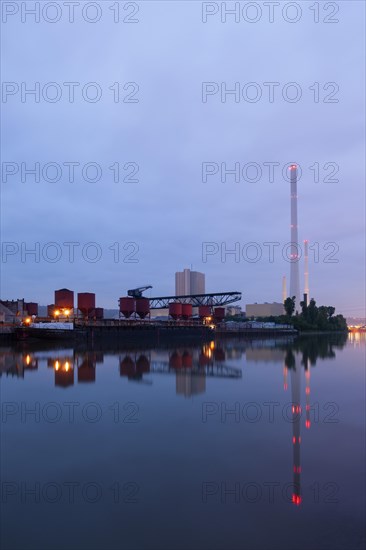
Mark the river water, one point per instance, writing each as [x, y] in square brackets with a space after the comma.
[239, 444]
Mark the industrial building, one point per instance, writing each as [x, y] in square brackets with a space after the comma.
[264, 310]
[189, 282]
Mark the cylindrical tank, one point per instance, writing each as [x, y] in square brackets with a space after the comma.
[142, 364]
[64, 298]
[203, 360]
[86, 302]
[32, 308]
[175, 361]
[127, 306]
[219, 313]
[86, 372]
[142, 307]
[50, 310]
[99, 313]
[186, 311]
[219, 354]
[127, 366]
[204, 311]
[175, 310]
[187, 360]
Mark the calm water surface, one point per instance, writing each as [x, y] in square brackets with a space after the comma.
[230, 445]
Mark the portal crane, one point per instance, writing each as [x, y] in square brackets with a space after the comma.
[137, 292]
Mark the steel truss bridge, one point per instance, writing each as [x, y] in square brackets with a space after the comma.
[213, 300]
[211, 370]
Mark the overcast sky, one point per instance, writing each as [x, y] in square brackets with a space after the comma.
[162, 129]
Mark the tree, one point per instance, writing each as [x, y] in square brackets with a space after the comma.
[304, 309]
[312, 311]
[331, 311]
[289, 305]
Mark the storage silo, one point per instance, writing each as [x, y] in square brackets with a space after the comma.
[142, 364]
[175, 361]
[142, 306]
[32, 308]
[50, 310]
[175, 310]
[204, 311]
[186, 311]
[127, 366]
[99, 313]
[86, 303]
[127, 306]
[64, 298]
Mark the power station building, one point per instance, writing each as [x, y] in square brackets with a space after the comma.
[264, 310]
[189, 282]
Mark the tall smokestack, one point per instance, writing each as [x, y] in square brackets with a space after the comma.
[306, 267]
[284, 289]
[294, 249]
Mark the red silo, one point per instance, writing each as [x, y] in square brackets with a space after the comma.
[186, 311]
[50, 310]
[203, 360]
[142, 307]
[64, 298]
[32, 308]
[86, 302]
[142, 364]
[219, 313]
[127, 306]
[219, 354]
[86, 372]
[204, 311]
[175, 361]
[187, 360]
[175, 310]
[99, 313]
[127, 366]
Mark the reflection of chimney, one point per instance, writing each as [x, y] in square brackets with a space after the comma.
[306, 270]
[307, 394]
[285, 372]
[296, 437]
[284, 289]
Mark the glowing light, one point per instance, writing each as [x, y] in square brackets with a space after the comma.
[307, 424]
[296, 499]
[67, 312]
[28, 360]
[67, 366]
[212, 345]
[307, 390]
[57, 365]
[57, 312]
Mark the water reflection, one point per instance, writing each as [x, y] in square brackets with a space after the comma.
[191, 366]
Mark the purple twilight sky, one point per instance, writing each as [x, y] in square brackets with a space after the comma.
[161, 124]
